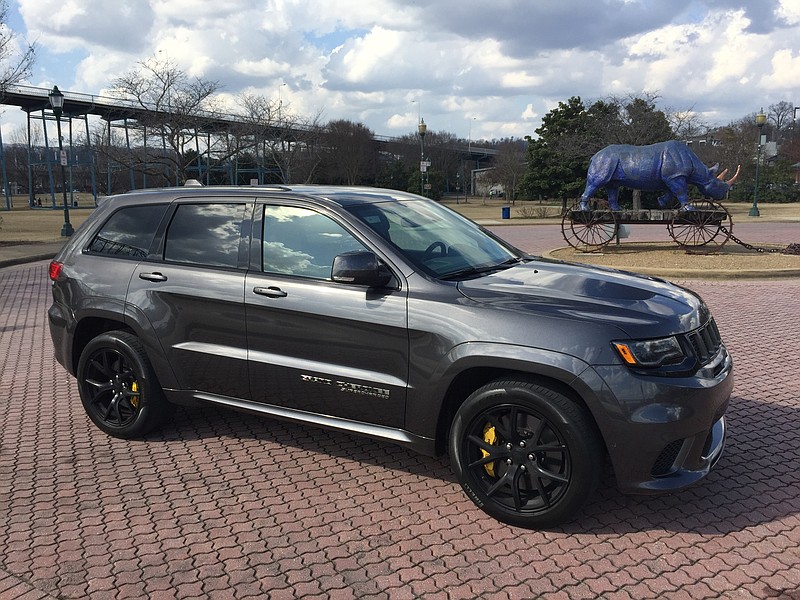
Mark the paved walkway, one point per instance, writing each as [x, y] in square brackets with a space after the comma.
[227, 505]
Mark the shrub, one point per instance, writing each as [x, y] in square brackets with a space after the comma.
[538, 212]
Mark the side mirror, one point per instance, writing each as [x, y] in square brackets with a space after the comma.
[360, 268]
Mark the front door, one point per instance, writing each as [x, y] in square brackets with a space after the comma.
[319, 346]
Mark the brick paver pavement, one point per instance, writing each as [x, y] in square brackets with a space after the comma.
[227, 505]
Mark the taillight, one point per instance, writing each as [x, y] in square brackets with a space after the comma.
[55, 270]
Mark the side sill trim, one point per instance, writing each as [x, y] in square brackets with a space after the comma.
[375, 431]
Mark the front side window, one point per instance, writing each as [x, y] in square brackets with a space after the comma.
[303, 242]
[205, 234]
[435, 239]
[129, 232]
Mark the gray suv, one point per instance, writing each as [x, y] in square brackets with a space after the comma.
[385, 314]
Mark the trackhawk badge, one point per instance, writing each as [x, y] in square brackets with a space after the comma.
[346, 386]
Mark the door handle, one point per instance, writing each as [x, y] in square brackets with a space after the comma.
[152, 276]
[270, 292]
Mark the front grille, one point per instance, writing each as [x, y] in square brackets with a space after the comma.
[706, 341]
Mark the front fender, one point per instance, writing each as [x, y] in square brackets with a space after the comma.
[435, 395]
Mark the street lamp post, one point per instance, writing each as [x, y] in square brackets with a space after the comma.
[423, 166]
[57, 104]
[469, 158]
[761, 119]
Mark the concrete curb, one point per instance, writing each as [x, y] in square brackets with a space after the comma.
[672, 273]
[27, 253]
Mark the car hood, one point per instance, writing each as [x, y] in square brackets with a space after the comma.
[643, 307]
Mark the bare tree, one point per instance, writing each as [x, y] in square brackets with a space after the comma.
[168, 107]
[15, 62]
[687, 124]
[781, 116]
[509, 166]
[442, 148]
[352, 153]
[285, 143]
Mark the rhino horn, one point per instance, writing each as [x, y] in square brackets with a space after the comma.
[732, 180]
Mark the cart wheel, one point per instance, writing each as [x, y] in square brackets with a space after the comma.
[704, 223]
[589, 229]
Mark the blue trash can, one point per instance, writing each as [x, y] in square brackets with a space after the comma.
[506, 212]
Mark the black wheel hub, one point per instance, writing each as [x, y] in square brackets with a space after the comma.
[526, 468]
[112, 389]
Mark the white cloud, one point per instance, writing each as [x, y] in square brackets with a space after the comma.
[789, 11]
[785, 74]
[368, 60]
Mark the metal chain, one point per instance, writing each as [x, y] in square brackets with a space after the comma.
[790, 249]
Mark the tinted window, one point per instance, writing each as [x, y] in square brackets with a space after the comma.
[129, 231]
[434, 238]
[205, 234]
[298, 241]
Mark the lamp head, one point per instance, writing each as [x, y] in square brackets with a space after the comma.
[422, 127]
[761, 118]
[56, 100]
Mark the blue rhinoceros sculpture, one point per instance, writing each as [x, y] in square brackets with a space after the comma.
[666, 166]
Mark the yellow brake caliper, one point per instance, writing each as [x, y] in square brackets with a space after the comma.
[490, 437]
[135, 394]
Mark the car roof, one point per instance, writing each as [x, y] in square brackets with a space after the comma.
[341, 195]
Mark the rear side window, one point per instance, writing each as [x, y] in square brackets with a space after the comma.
[129, 231]
[205, 234]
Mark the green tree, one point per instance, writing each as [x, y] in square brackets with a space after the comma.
[395, 175]
[571, 134]
[433, 177]
[555, 167]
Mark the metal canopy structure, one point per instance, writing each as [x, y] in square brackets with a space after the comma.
[128, 117]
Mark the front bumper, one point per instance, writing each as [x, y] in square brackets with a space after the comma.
[664, 434]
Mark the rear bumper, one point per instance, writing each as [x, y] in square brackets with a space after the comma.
[59, 321]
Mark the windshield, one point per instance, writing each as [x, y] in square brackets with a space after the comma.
[435, 239]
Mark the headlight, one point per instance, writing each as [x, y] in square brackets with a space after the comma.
[650, 353]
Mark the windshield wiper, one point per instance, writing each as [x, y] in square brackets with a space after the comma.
[470, 271]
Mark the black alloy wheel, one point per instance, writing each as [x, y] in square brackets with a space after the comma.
[118, 388]
[525, 453]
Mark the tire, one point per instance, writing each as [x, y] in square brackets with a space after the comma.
[118, 388]
[535, 474]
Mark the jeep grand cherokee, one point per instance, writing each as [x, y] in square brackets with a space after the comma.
[386, 314]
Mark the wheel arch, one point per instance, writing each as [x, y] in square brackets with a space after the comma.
[91, 325]
[89, 328]
[557, 371]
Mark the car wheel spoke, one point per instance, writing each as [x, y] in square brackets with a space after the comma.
[110, 386]
[524, 465]
[492, 452]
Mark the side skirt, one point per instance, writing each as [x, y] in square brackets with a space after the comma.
[402, 437]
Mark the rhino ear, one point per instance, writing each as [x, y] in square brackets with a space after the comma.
[713, 170]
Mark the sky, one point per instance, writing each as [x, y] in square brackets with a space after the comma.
[476, 69]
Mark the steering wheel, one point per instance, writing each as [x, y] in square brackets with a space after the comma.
[433, 247]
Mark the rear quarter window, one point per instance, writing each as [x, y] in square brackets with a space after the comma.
[129, 232]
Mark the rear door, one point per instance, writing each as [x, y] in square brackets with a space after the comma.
[193, 298]
[315, 345]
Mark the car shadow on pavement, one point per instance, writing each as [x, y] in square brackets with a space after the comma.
[753, 483]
